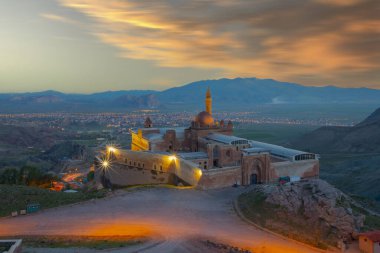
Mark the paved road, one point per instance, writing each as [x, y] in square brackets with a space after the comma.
[172, 214]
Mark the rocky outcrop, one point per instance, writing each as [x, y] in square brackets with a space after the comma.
[319, 204]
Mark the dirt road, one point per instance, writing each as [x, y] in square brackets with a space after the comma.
[171, 214]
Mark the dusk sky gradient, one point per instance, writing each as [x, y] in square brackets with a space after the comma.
[97, 45]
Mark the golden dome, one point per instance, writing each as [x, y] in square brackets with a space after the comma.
[204, 119]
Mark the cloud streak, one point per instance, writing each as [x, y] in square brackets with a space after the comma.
[314, 42]
[57, 18]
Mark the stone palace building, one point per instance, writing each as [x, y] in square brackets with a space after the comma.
[206, 155]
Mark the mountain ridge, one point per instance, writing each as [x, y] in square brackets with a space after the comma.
[364, 137]
[235, 93]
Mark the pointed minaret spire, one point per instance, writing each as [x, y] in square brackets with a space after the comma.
[208, 93]
[208, 101]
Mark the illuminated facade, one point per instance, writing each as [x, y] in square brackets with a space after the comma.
[209, 149]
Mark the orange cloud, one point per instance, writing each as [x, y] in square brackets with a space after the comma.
[313, 42]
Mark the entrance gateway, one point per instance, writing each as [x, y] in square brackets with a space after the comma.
[253, 179]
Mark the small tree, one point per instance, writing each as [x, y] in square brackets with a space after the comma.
[10, 176]
[30, 175]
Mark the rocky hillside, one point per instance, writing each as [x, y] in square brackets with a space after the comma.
[17, 136]
[361, 138]
[312, 211]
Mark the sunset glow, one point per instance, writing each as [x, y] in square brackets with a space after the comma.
[159, 44]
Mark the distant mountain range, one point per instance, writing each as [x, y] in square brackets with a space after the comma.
[236, 94]
[361, 138]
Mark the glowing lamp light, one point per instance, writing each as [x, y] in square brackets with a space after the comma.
[111, 149]
[105, 164]
[172, 158]
[199, 172]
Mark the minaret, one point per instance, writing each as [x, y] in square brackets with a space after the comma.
[208, 101]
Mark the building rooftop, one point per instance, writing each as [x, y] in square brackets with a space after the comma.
[153, 136]
[193, 155]
[179, 131]
[226, 139]
[278, 150]
[255, 150]
[373, 235]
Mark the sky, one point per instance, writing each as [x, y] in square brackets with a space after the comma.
[85, 46]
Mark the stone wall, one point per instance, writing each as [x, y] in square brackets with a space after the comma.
[123, 175]
[302, 169]
[138, 142]
[220, 177]
[136, 167]
[188, 172]
[257, 164]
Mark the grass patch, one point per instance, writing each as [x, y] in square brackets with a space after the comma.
[273, 133]
[91, 242]
[16, 197]
[255, 208]
[372, 222]
[367, 202]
